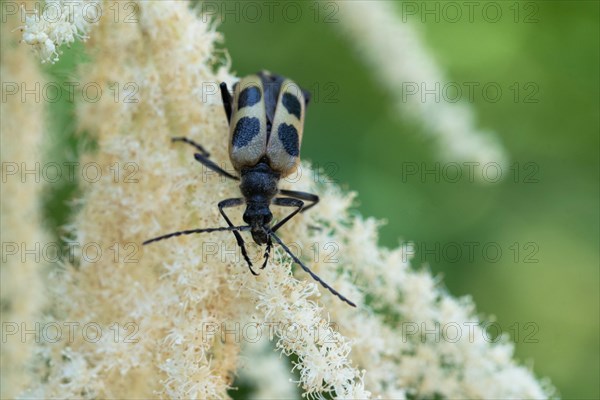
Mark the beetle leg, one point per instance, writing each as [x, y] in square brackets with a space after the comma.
[198, 147]
[312, 198]
[267, 252]
[202, 158]
[307, 96]
[226, 96]
[211, 165]
[287, 202]
[235, 203]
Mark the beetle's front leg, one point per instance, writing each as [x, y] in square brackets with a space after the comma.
[305, 196]
[287, 202]
[240, 241]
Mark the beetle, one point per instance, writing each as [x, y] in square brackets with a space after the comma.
[266, 119]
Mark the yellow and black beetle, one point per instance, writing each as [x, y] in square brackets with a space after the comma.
[266, 118]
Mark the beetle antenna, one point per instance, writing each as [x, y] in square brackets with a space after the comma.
[312, 274]
[192, 231]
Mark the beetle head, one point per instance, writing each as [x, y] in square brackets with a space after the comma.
[258, 216]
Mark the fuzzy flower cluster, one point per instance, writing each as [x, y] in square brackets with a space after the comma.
[21, 278]
[173, 308]
[369, 25]
[60, 22]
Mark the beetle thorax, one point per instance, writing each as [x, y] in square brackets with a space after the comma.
[259, 186]
[259, 183]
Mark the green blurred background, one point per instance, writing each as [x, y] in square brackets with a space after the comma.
[549, 307]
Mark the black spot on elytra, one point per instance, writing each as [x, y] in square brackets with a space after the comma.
[291, 103]
[289, 138]
[249, 97]
[245, 130]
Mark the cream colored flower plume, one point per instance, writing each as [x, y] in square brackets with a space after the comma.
[404, 66]
[54, 23]
[174, 314]
[22, 292]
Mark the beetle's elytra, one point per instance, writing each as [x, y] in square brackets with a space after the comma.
[266, 120]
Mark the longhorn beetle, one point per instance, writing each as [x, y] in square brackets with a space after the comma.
[266, 118]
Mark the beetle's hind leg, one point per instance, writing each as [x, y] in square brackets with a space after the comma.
[235, 202]
[198, 147]
[203, 157]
